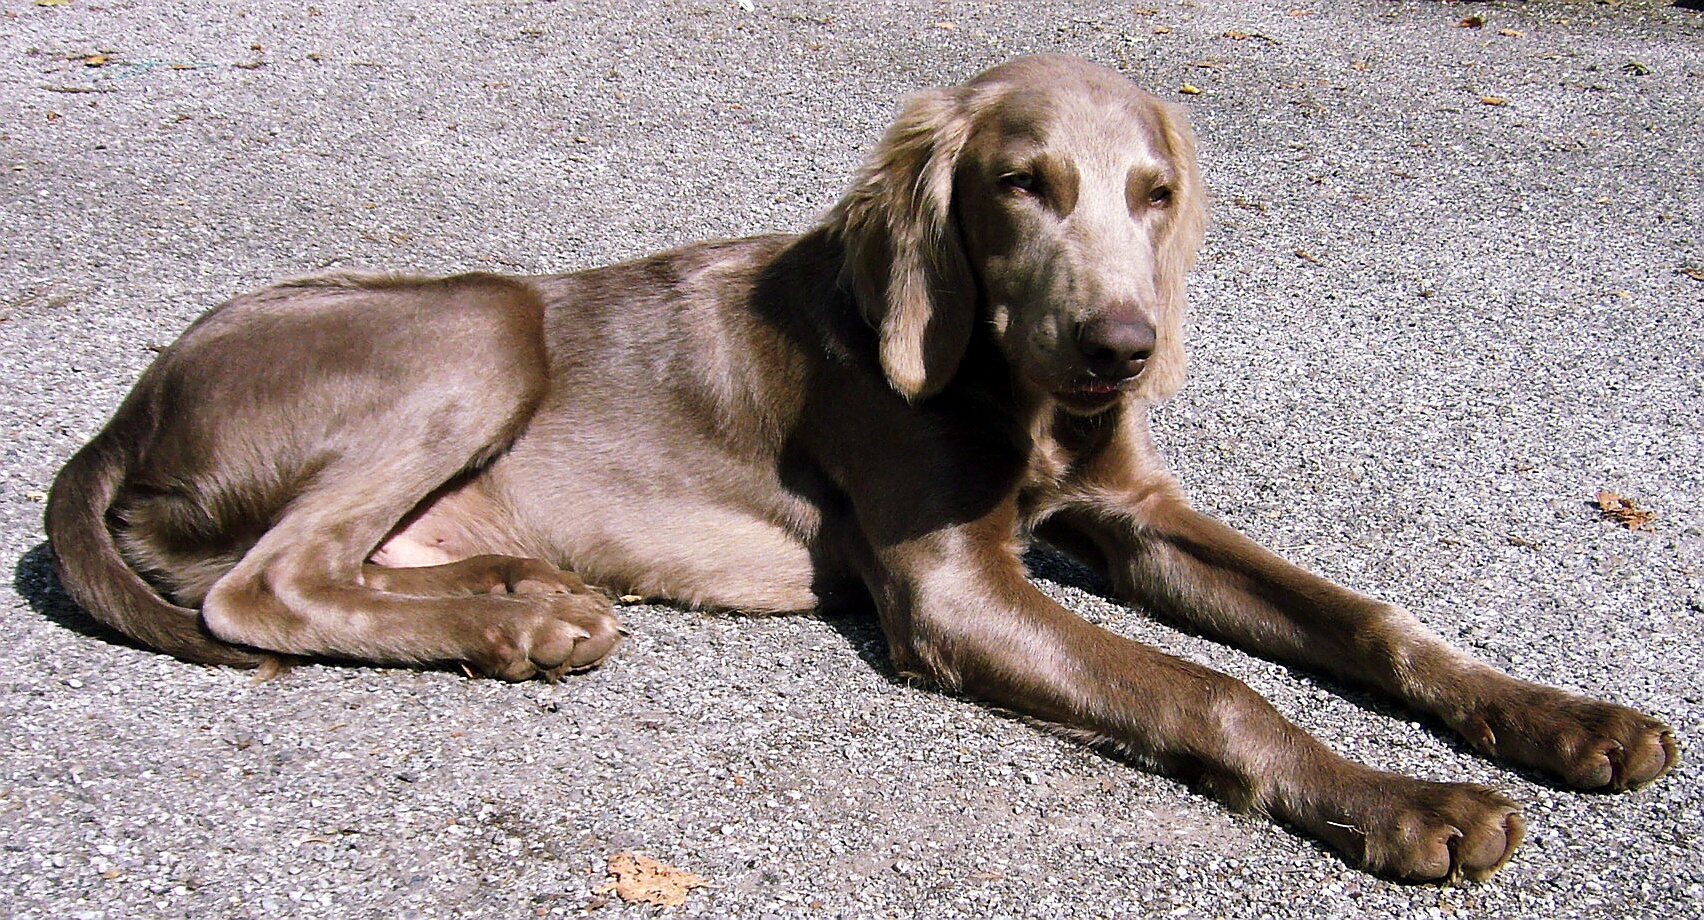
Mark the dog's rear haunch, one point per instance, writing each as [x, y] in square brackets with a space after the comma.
[959, 356]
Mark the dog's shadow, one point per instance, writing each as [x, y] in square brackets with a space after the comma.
[36, 583]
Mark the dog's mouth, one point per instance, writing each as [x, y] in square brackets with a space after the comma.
[1091, 395]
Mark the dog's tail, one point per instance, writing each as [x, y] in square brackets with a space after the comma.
[87, 561]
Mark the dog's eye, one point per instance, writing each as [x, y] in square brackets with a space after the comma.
[1021, 181]
[1160, 196]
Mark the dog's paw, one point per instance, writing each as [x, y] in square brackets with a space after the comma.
[1586, 743]
[1418, 831]
[562, 633]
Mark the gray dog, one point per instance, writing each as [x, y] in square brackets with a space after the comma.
[960, 356]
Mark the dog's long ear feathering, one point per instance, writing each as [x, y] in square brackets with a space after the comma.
[1177, 251]
[907, 267]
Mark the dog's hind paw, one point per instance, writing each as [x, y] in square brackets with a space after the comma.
[565, 632]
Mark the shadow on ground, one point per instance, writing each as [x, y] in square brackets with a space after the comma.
[36, 583]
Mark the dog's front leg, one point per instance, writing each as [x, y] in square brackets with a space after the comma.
[1163, 554]
[958, 610]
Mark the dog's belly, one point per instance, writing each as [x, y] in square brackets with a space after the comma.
[675, 549]
[712, 533]
[692, 553]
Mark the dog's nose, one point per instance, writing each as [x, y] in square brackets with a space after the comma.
[1116, 348]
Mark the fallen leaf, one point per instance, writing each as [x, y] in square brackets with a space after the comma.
[639, 879]
[1145, 11]
[53, 2]
[1637, 68]
[1696, 274]
[1493, 100]
[1299, 12]
[1305, 256]
[1237, 36]
[1189, 89]
[1162, 30]
[1624, 511]
[1511, 33]
[95, 60]
[1472, 22]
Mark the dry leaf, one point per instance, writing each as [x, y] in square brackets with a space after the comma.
[1493, 100]
[1237, 36]
[1162, 30]
[1306, 256]
[639, 879]
[1189, 89]
[53, 2]
[1624, 511]
[1696, 274]
[1471, 22]
[1511, 33]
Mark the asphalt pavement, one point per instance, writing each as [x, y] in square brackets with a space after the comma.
[1452, 290]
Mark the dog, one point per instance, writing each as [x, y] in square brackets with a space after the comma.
[957, 359]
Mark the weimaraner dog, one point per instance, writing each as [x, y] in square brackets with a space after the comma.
[959, 358]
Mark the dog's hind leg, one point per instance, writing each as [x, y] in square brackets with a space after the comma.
[413, 386]
[298, 592]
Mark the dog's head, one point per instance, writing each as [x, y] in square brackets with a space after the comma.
[1049, 198]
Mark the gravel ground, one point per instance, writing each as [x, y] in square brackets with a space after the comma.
[1442, 304]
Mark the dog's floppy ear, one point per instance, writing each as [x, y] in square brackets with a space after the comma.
[907, 267]
[1177, 253]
